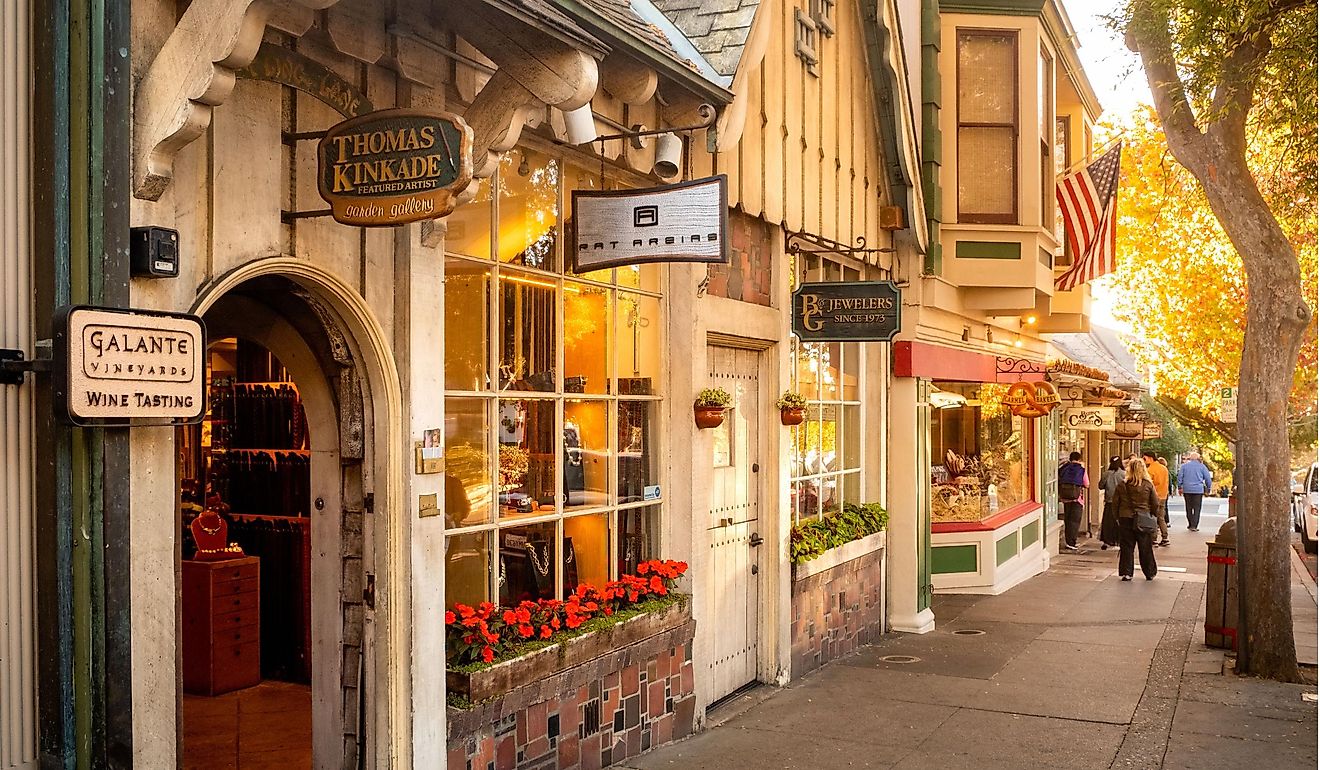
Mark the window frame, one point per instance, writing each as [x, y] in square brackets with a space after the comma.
[816, 403]
[1046, 103]
[1063, 161]
[960, 33]
[495, 393]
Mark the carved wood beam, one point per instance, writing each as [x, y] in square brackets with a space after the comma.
[497, 117]
[193, 73]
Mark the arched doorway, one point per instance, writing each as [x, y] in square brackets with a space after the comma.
[276, 644]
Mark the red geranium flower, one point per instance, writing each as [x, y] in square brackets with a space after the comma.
[487, 654]
[450, 617]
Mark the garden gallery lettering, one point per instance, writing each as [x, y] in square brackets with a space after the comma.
[854, 311]
[114, 365]
[396, 166]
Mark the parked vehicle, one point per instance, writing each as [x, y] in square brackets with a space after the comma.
[1306, 501]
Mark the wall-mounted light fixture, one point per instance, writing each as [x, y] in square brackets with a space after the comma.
[580, 125]
[668, 155]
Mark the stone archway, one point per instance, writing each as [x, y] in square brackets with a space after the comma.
[334, 345]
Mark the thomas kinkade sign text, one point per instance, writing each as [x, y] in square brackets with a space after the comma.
[857, 311]
[392, 167]
[114, 366]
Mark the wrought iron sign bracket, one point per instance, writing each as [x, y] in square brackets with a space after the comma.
[14, 364]
[1005, 365]
[706, 111]
[802, 242]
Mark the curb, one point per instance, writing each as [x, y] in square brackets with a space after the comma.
[1301, 573]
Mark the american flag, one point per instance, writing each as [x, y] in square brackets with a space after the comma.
[1088, 199]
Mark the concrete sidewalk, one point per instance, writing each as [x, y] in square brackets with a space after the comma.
[1073, 669]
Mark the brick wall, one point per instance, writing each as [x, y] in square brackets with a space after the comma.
[590, 716]
[747, 276]
[836, 611]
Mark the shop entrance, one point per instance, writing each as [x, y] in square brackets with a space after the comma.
[734, 522]
[271, 531]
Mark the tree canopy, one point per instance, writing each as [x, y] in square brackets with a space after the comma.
[1180, 283]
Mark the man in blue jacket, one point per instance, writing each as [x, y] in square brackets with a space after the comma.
[1194, 482]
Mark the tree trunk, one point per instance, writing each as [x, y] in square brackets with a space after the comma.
[1277, 317]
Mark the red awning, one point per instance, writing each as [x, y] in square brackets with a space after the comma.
[937, 362]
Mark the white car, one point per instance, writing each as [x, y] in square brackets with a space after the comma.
[1306, 500]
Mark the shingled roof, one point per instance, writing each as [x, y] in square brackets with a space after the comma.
[1101, 348]
[718, 28]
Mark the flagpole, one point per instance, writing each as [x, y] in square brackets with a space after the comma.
[1084, 161]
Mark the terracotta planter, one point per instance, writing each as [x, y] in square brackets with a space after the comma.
[709, 416]
[792, 415]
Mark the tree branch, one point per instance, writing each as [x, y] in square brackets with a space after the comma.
[1148, 35]
[1194, 418]
[1234, 91]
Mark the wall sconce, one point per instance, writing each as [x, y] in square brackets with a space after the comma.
[580, 125]
[1029, 319]
[668, 155]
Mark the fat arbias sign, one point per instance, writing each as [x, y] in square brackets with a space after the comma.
[854, 311]
[128, 367]
[685, 222]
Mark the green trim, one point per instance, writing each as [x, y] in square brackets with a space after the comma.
[948, 559]
[987, 250]
[1006, 548]
[1030, 534]
[994, 7]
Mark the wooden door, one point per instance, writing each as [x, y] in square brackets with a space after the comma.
[734, 522]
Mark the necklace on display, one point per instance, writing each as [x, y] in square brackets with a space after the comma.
[542, 565]
[210, 530]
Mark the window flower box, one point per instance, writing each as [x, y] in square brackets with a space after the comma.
[654, 618]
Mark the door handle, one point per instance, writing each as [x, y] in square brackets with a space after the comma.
[755, 540]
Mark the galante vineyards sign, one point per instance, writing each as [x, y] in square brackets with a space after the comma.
[685, 222]
[853, 311]
[129, 367]
[391, 167]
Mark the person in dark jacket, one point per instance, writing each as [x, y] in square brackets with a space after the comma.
[1073, 483]
[1136, 495]
[1109, 482]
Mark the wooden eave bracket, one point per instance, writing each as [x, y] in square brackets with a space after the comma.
[534, 71]
[194, 72]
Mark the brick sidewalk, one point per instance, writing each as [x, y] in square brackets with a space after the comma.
[1075, 669]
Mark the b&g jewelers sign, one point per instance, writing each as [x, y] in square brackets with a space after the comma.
[856, 311]
[391, 167]
[686, 222]
[129, 367]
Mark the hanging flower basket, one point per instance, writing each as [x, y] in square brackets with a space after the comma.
[709, 416]
[792, 415]
[709, 407]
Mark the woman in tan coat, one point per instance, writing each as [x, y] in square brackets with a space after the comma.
[1136, 496]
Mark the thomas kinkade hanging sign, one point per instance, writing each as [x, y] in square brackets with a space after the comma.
[685, 222]
[855, 311]
[128, 367]
[392, 167]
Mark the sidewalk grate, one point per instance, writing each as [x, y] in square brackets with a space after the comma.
[901, 659]
[969, 632]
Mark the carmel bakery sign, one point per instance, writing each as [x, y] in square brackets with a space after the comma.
[854, 311]
[128, 367]
[391, 167]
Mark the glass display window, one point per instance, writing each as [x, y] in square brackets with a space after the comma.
[980, 452]
[827, 448]
[552, 395]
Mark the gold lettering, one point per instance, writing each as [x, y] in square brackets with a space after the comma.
[428, 137]
[810, 310]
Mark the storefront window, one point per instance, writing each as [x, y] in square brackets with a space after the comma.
[980, 452]
[552, 400]
[827, 446]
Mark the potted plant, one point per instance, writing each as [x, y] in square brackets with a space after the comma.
[792, 408]
[709, 407]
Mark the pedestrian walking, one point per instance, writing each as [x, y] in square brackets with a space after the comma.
[1137, 504]
[1194, 481]
[1159, 478]
[1113, 476]
[1073, 483]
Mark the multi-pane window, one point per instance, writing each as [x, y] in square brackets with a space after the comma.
[980, 452]
[827, 447]
[1045, 107]
[1062, 163]
[987, 126]
[552, 397]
